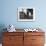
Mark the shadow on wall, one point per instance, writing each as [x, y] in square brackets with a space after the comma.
[2, 26]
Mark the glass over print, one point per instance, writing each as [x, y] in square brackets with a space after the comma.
[26, 14]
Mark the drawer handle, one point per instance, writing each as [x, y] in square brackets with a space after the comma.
[10, 38]
[33, 39]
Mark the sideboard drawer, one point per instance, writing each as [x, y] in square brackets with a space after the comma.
[13, 39]
[37, 39]
[13, 33]
[34, 33]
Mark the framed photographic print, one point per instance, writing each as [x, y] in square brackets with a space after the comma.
[26, 14]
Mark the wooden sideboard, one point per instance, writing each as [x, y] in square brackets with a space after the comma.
[23, 39]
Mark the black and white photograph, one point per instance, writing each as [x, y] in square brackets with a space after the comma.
[26, 14]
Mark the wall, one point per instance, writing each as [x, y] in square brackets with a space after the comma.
[8, 13]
